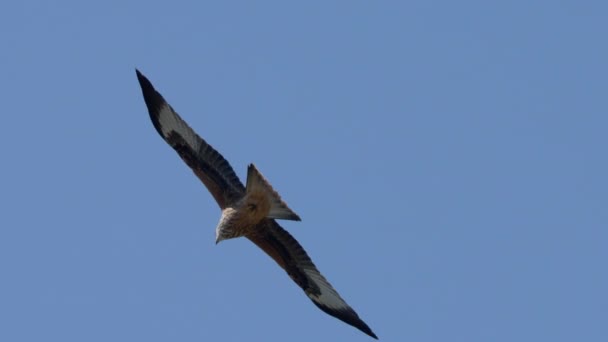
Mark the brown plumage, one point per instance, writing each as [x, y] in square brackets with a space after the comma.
[247, 211]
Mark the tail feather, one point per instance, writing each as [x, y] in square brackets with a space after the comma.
[256, 183]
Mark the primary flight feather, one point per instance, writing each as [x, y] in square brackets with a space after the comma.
[247, 211]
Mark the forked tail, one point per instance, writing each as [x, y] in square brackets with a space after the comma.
[257, 184]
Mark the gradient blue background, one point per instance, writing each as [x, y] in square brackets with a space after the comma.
[448, 160]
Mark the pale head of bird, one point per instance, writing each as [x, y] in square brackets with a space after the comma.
[226, 228]
[235, 221]
[220, 234]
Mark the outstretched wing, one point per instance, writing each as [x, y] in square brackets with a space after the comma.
[208, 165]
[290, 255]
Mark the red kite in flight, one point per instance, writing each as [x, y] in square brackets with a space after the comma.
[248, 211]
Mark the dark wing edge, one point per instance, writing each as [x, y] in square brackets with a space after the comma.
[291, 256]
[208, 164]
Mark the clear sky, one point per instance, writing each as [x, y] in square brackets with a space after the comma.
[448, 159]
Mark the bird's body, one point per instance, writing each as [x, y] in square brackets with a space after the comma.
[247, 211]
[259, 202]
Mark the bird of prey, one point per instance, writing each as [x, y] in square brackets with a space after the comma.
[248, 211]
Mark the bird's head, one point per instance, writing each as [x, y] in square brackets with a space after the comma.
[220, 233]
[225, 228]
[218, 236]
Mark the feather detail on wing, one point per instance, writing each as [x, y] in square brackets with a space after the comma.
[292, 257]
[208, 165]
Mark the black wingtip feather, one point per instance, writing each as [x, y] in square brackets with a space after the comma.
[154, 100]
[349, 317]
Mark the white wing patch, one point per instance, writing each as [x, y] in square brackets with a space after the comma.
[170, 122]
[328, 297]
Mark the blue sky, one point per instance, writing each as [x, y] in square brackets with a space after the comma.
[448, 160]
